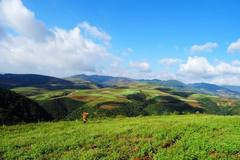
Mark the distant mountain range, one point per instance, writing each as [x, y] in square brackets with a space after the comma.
[233, 88]
[10, 81]
[83, 81]
[214, 89]
[168, 83]
[102, 80]
[206, 88]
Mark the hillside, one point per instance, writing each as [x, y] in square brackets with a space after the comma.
[123, 97]
[154, 137]
[133, 100]
[16, 108]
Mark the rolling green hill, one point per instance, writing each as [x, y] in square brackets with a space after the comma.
[140, 138]
[132, 100]
[123, 97]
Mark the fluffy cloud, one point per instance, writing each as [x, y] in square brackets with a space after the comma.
[169, 61]
[236, 62]
[197, 66]
[69, 51]
[207, 47]
[224, 68]
[140, 66]
[15, 15]
[198, 69]
[234, 47]
[55, 51]
[94, 31]
[225, 79]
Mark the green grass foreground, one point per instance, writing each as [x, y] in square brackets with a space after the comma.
[153, 137]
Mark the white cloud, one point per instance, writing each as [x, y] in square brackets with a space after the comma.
[207, 47]
[226, 80]
[234, 47]
[169, 61]
[140, 66]
[198, 69]
[197, 66]
[30, 47]
[236, 62]
[15, 15]
[96, 32]
[31, 51]
[69, 52]
[224, 68]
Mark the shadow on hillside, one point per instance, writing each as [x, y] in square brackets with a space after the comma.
[173, 92]
[169, 104]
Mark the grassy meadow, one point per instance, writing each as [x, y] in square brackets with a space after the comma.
[145, 137]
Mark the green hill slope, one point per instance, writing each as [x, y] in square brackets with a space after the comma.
[16, 108]
[132, 100]
[154, 137]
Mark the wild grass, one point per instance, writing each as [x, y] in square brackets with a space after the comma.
[153, 137]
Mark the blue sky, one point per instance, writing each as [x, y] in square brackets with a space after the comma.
[153, 29]
[193, 41]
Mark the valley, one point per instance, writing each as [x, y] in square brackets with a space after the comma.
[113, 96]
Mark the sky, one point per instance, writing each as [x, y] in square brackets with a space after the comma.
[190, 41]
